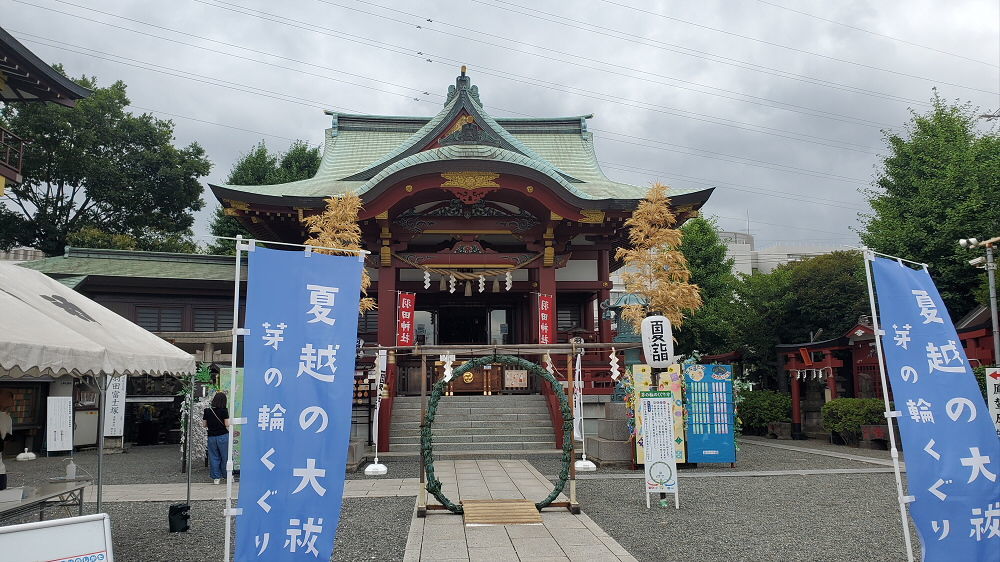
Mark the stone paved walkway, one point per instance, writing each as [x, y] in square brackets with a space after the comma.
[822, 452]
[443, 536]
[384, 487]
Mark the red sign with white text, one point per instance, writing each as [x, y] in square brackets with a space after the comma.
[404, 319]
[546, 319]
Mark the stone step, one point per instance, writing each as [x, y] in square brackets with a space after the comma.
[496, 398]
[540, 409]
[414, 454]
[470, 423]
[505, 446]
[502, 430]
[532, 419]
[411, 439]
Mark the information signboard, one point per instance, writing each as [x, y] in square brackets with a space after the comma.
[85, 539]
[993, 396]
[235, 409]
[658, 437]
[59, 424]
[114, 407]
[711, 432]
[645, 379]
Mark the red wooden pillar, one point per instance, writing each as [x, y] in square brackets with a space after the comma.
[796, 404]
[604, 276]
[387, 337]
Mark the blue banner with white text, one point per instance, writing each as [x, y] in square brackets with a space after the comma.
[952, 452]
[302, 314]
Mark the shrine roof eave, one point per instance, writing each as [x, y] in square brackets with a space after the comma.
[30, 79]
[226, 194]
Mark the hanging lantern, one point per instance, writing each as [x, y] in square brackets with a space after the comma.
[443, 285]
[468, 288]
[496, 284]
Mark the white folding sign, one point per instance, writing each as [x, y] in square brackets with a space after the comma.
[657, 341]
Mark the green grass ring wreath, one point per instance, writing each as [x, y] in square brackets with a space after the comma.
[427, 440]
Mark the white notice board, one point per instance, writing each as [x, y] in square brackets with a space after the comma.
[658, 440]
[59, 424]
[114, 407]
[74, 539]
[993, 395]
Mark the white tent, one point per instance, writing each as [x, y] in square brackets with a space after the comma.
[49, 329]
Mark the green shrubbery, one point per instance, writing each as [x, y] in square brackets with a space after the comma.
[757, 408]
[845, 416]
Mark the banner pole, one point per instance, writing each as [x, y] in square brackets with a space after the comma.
[237, 331]
[889, 415]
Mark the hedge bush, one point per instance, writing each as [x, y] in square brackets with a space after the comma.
[758, 408]
[846, 415]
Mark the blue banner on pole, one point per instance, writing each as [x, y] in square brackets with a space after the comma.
[302, 313]
[711, 427]
[952, 453]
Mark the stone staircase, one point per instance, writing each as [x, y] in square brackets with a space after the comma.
[476, 426]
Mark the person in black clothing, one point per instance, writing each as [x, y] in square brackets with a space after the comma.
[217, 421]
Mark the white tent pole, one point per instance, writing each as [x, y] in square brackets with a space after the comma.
[102, 386]
[232, 395]
[889, 415]
[187, 437]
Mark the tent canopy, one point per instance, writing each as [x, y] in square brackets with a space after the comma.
[49, 329]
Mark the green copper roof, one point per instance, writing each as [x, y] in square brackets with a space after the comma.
[361, 150]
[78, 263]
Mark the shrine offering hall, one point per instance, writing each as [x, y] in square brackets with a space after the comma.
[476, 216]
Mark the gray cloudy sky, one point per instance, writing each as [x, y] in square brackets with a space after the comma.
[782, 111]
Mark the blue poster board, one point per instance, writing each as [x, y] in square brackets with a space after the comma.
[302, 314]
[711, 428]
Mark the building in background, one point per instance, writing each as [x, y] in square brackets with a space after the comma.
[747, 258]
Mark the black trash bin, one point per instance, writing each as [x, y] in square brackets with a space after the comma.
[178, 517]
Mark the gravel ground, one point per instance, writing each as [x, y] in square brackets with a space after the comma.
[750, 457]
[153, 464]
[814, 518]
[140, 531]
[825, 445]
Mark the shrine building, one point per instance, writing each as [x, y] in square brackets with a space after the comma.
[476, 215]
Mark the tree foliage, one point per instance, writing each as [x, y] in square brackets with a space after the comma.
[261, 167]
[827, 292]
[655, 268]
[97, 166]
[939, 183]
[337, 227]
[793, 302]
[708, 329]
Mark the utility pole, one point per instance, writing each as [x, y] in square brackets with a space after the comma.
[991, 268]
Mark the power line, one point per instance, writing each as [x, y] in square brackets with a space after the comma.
[793, 135]
[645, 41]
[735, 187]
[781, 224]
[672, 48]
[662, 145]
[804, 110]
[883, 35]
[796, 49]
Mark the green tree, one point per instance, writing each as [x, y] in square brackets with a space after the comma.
[707, 329]
[90, 237]
[760, 307]
[939, 183]
[261, 167]
[98, 166]
[827, 292]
